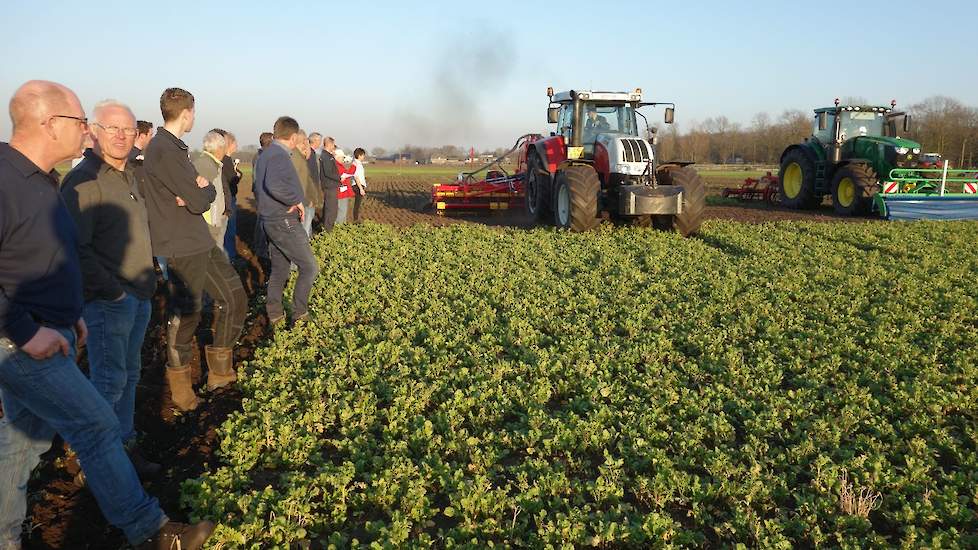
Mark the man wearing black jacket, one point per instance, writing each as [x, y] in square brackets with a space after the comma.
[331, 183]
[232, 177]
[176, 198]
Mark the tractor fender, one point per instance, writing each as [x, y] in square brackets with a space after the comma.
[552, 152]
[805, 148]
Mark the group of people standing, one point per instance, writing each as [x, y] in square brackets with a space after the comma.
[77, 269]
[298, 178]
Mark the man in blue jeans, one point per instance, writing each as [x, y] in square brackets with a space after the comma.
[118, 279]
[41, 389]
[281, 211]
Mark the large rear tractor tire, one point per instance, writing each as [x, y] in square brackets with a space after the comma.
[797, 177]
[853, 187]
[694, 200]
[575, 203]
[536, 188]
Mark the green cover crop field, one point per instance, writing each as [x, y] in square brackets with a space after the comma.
[779, 385]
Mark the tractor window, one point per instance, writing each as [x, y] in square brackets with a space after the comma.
[616, 118]
[861, 123]
[824, 135]
[565, 121]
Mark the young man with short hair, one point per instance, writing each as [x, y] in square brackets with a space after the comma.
[281, 211]
[144, 133]
[176, 196]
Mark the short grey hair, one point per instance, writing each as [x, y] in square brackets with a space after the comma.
[105, 104]
[214, 141]
[315, 135]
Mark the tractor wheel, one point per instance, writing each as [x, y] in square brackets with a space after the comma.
[853, 187]
[576, 199]
[797, 188]
[694, 200]
[535, 189]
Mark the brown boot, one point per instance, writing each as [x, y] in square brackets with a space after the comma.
[220, 367]
[179, 535]
[181, 389]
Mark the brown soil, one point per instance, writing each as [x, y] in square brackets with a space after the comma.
[61, 515]
[404, 201]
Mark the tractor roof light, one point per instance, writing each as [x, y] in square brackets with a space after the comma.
[550, 91]
[836, 102]
[893, 103]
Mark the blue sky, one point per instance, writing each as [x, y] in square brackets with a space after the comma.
[467, 73]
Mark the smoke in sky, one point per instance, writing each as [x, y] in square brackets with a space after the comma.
[449, 104]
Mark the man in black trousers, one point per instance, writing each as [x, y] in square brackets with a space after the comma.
[331, 182]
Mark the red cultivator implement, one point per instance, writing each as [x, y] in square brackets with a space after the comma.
[763, 189]
[489, 187]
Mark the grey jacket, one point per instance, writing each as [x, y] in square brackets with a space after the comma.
[113, 230]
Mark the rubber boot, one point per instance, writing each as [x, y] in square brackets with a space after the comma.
[220, 367]
[182, 536]
[181, 388]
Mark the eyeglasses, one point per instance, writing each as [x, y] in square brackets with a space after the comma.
[81, 119]
[128, 132]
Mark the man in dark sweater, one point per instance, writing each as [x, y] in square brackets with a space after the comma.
[331, 183]
[232, 177]
[281, 211]
[144, 133]
[176, 196]
[118, 278]
[42, 390]
[259, 240]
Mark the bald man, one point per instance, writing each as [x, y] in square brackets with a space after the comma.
[41, 388]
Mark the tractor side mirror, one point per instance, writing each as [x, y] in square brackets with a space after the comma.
[670, 115]
[552, 114]
[823, 121]
[906, 123]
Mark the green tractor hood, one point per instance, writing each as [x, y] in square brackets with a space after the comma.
[890, 141]
[881, 152]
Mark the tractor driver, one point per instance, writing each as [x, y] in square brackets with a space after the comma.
[594, 123]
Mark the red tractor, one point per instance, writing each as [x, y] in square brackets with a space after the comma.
[598, 162]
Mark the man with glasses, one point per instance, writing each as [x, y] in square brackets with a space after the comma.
[176, 197]
[118, 278]
[42, 390]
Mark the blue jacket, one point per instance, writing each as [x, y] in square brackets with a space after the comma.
[277, 186]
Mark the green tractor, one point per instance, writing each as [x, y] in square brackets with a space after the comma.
[856, 155]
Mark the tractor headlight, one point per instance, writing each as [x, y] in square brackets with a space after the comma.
[902, 150]
[623, 168]
[916, 150]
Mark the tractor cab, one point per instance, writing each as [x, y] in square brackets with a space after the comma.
[582, 116]
[602, 127]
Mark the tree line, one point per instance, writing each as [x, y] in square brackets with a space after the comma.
[940, 124]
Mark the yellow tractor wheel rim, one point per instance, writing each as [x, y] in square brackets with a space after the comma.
[846, 192]
[791, 180]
